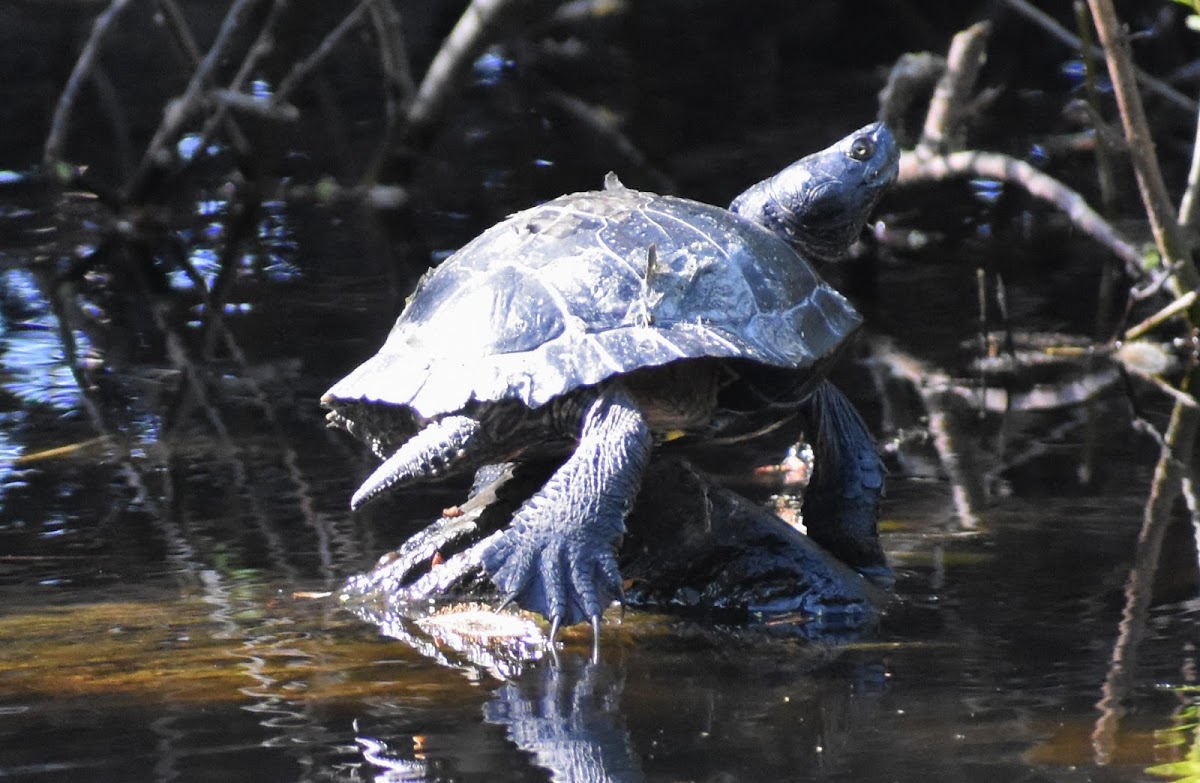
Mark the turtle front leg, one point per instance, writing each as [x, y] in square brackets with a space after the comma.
[438, 447]
[841, 504]
[558, 557]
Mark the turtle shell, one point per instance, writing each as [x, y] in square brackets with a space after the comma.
[592, 285]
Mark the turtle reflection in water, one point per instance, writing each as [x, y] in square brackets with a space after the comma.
[600, 325]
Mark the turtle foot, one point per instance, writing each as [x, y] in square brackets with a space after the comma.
[553, 567]
[559, 555]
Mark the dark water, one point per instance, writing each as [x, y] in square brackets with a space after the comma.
[171, 516]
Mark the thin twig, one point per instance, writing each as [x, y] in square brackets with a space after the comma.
[998, 166]
[1192, 501]
[475, 30]
[1103, 147]
[1047, 23]
[1189, 206]
[302, 69]
[1181, 398]
[262, 46]
[52, 151]
[278, 111]
[177, 23]
[397, 85]
[1107, 285]
[1172, 244]
[984, 343]
[181, 109]
[240, 224]
[118, 122]
[1175, 308]
[399, 69]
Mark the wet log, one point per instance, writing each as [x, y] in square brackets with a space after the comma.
[692, 547]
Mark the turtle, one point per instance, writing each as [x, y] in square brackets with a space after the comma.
[600, 326]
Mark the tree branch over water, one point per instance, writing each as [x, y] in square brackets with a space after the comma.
[60, 124]
[1179, 441]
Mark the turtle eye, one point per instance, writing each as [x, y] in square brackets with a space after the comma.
[862, 148]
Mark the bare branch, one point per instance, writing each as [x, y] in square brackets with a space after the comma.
[1047, 23]
[302, 69]
[953, 90]
[1172, 244]
[470, 36]
[1189, 206]
[262, 46]
[181, 109]
[1175, 308]
[52, 151]
[177, 23]
[995, 165]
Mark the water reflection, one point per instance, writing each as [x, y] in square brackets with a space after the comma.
[564, 711]
[233, 673]
[31, 352]
[568, 716]
[647, 704]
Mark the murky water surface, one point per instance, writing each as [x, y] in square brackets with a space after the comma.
[166, 547]
[988, 669]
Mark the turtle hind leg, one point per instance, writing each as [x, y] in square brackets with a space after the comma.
[841, 504]
[442, 445]
[558, 556]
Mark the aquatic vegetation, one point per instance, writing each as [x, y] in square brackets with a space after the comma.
[1183, 737]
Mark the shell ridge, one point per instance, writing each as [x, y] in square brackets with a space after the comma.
[687, 327]
[623, 260]
[555, 296]
[564, 211]
[648, 212]
[657, 334]
[606, 356]
[719, 246]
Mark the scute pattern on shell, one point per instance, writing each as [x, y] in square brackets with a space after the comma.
[595, 284]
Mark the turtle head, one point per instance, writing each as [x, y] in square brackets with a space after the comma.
[820, 203]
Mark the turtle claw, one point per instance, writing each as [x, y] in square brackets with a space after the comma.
[556, 625]
[566, 581]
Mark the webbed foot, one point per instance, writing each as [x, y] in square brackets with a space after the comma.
[558, 557]
[556, 567]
